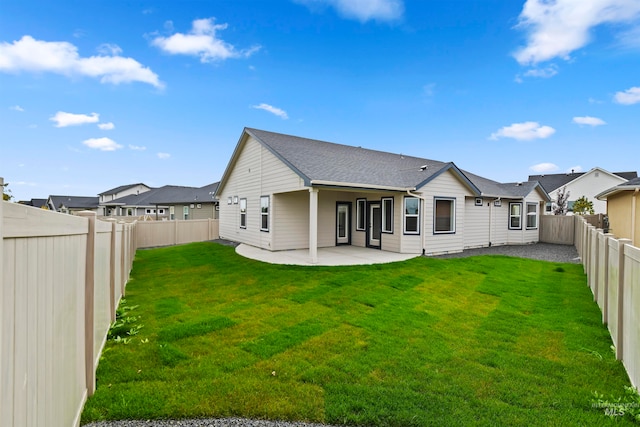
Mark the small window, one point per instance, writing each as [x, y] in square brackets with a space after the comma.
[478, 201]
[264, 213]
[185, 212]
[235, 200]
[444, 215]
[229, 200]
[161, 211]
[387, 215]
[199, 206]
[361, 214]
[532, 216]
[515, 216]
[192, 206]
[497, 203]
[243, 213]
[411, 215]
[172, 212]
[548, 207]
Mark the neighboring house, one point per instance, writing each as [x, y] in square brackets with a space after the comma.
[579, 184]
[36, 203]
[623, 210]
[72, 204]
[168, 202]
[118, 192]
[283, 192]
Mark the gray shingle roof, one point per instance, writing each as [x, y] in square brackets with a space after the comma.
[120, 189]
[324, 161]
[75, 202]
[553, 181]
[168, 195]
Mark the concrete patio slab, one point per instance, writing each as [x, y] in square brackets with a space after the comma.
[337, 255]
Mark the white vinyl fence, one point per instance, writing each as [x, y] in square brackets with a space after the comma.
[165, 233]
[62, 278]
[613, 271]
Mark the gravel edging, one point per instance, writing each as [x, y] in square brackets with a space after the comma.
[540, 251]
[210, 422]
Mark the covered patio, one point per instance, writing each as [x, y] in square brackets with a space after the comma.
[335, 255]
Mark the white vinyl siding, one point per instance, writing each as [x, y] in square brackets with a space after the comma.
[256, 172]
[446, 185]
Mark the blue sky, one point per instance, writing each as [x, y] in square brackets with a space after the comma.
[98, 94]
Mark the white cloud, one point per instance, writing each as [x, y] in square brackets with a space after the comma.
[203, 42]
[273, 110]
[544, 73]
[63, 119]
[629, 96]
[17, 108]
[106, 126]
[37, 56]
[164, 155]
[557, 28]
[588, 120]
[137, 148]
[524, 131]
[542, 168]
[102, 144]
[363, 10]
[109, 49]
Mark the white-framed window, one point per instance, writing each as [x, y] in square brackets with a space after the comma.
[411, 215]
[172, 213]
[161, 211]
[150, 211]
[444, 215]
[229, 200]
[387, 215]
[497, 203]
[361, 214]
[185, 212]
[235, 200]
[532, 216]
[478, 201]
[515, 216]
[264, 213]
[243, 213]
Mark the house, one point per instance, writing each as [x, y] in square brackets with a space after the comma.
[72, 204]
[578, 184]
[282, 192]
[36, 203]
[167, 202]
[118, 192]
[623, 210]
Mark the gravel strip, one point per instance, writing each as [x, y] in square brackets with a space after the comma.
[540, 251]
[218, 422]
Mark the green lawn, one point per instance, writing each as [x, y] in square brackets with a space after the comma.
[470, 341]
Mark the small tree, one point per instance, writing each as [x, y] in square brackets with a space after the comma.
[561, 202]
[583, 206]
[6, 193]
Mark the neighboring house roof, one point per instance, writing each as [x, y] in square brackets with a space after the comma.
[631, 185]
[168, 195]
[74, 202]
[552, 182]
[321, 163]
[121, 189]
[36, 203]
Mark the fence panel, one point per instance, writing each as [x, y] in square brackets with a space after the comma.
[557, 229]
[164, 233]
[613, 291]
[631, 313]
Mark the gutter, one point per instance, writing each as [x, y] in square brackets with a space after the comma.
[359, 186]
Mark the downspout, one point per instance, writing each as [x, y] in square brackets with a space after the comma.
[424, 233]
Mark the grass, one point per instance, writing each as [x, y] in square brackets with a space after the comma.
[470, 341]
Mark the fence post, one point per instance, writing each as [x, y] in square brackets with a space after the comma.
[585, 246]
[606, 284]
[124, 240]
[620, 303]
[89, 291]
[112, 271]
[3, 399]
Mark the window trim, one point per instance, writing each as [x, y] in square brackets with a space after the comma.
[243, 212]
[361, 214]
[513, 216]
[452, 229]
[263, 214]
[534, 214]
[383, 202]
[405, 215]
[478, 201]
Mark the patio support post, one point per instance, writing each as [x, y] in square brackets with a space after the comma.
[313, 225]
